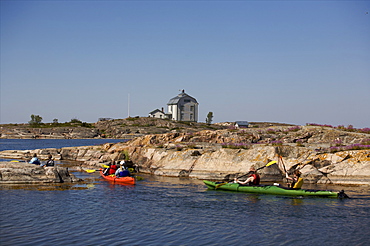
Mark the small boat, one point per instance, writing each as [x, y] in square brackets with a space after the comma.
[120, 180]
[274, 190]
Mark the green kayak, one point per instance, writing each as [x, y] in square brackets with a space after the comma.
[274, 190]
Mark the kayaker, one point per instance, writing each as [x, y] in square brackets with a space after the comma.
[113, 168]
[297, 181]
[124, 164]
[122, 172]
[49, 162]
[253, 178]
[35, 160]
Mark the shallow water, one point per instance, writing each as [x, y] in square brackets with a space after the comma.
[176, 211]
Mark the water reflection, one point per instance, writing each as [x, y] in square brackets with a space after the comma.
[296, 201]
[172, 211]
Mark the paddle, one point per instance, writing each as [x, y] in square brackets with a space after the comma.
[286, 173]
[91, 170]
[282, 162]
[267, 165]
[94, 170]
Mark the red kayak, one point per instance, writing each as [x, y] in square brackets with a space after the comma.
[120, 180]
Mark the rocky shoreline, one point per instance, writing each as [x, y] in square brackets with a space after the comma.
[224, 154]
[25, 173]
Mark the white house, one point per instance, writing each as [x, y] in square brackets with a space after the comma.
[157, 114]
[183, 108]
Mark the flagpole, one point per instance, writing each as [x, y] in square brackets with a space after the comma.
[128, 105]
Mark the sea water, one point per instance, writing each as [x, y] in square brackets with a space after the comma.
[174, 211]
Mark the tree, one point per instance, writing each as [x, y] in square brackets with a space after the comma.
[75, 120]
[35, 120]
[55, 121]
[209, 118]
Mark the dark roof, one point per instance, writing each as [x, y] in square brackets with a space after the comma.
[155, 111]
[176, 99]
[243, 123]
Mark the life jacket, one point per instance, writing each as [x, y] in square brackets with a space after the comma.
[112, 169]
[256, 179]
[124, 173]
[298, 184]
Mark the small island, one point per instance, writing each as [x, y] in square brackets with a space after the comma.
[324, 154]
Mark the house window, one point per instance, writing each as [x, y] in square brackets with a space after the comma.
[191, 116]
[186, 100]
[192, 108]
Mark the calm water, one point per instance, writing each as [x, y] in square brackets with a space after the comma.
[25, 144]
[173, 211]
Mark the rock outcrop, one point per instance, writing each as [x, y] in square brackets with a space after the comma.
[224, 154]
[24, 173]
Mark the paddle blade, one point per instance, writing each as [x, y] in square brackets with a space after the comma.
[267, 165]
[105, 166]
[90, 170]
[270, 163]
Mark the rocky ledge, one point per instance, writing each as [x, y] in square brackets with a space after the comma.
[24, 173]
[224, 154]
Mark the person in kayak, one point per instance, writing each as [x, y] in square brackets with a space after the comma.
[297, 181]
[113, 168]
[35, 160]
[122, 172]
[49, 162]
[253, 178]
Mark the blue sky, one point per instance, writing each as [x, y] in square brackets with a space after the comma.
[278, 61]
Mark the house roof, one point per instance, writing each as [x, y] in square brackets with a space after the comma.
[242, 123]
[176, 99]
[155, 111]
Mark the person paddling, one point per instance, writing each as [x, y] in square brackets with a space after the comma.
[113, 168]
[253, 178]
[297, 181]
[122, 172]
